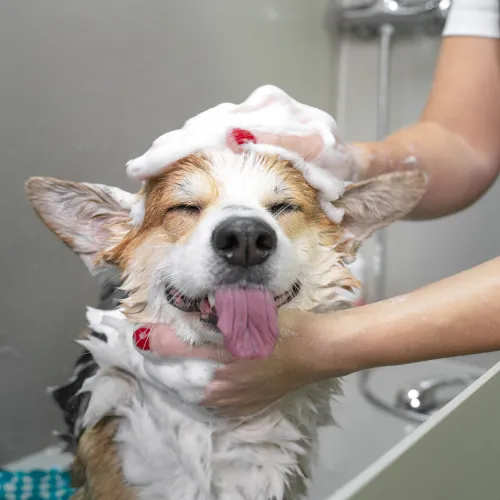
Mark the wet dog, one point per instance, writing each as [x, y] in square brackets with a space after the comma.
[227, 239]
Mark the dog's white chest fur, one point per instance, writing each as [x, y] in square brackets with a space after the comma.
[172, 449]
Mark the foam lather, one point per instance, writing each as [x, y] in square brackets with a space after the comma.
[267, 110]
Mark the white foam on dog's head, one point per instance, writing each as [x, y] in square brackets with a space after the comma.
[267, 110]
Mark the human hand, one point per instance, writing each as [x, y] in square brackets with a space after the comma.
[309, 147]
[246, 387]
[351, 158]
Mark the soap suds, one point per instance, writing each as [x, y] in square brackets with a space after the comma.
[138, 210]
[411, 160]
[267, 110]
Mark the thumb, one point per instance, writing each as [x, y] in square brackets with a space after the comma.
[164, 341]
[309, 147]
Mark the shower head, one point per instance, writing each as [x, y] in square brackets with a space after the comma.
[369, 15]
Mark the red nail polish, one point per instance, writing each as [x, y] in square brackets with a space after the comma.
[242, 136]
[141, 338]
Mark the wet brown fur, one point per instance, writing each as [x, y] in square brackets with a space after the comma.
[96, 470]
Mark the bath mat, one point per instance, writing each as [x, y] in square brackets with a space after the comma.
[52, 484]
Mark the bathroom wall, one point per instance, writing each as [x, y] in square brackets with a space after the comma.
[85, 86]
[417, 252]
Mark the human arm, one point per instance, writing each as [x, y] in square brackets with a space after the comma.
[455, 316]
[456, 139]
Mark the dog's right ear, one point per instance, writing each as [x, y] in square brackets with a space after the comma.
[89, 218]
[377, 202]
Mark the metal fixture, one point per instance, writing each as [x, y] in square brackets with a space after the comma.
[368, 17]
[417, 401]
[429, 395]
[386, 31]
[382, 19]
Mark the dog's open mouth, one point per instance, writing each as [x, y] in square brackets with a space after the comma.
[246, 317]
[206, 305]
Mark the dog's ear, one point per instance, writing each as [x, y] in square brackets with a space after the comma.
[375, 203]
[88, 218]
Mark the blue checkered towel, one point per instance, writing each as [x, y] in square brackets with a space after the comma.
[52, 484]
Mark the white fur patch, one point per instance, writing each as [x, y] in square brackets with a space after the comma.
[138, 210]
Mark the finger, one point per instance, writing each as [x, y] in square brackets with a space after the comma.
[238, 137]
[224, 396]
[232, 407]
[242, 410]
[217, 393]
[309, 147]
[164, 342]
[234, 371]
[364, 158]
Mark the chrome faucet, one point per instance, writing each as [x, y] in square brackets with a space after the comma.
[370, 15]
[416, 401]
[429, 395]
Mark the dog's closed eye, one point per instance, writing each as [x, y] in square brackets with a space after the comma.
[186, 209]
[277, 209]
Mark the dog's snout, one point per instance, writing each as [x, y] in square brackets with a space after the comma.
[244, 241]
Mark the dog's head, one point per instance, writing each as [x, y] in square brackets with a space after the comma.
[226, 239]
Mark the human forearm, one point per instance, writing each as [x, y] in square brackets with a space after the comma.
[456, 138]
[458, 174]
[456, 316]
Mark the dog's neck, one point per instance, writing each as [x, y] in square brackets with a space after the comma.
[122, 370]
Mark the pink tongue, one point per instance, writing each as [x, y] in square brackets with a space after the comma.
[248, 321]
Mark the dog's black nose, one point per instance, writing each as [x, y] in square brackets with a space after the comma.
[244, 241]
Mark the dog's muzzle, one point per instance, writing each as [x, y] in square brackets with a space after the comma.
[240, 306]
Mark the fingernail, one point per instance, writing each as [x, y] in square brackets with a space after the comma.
[242, 136]
[141, 338]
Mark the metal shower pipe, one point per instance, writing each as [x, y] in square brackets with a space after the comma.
[380, 18]
[386, 32]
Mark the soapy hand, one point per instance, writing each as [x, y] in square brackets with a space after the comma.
[269, 121]
[308, 146]
[246, 387]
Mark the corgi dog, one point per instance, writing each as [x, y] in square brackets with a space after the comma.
[227, 239]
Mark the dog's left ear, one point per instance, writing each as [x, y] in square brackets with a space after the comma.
[375, 203]
[88, 218]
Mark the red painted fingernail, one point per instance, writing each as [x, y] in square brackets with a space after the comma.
[242, 136]
[141, 338]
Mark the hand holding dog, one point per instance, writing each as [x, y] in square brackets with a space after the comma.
[246, 387]
[317, 347]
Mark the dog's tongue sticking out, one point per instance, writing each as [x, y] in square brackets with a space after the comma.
[248, 321]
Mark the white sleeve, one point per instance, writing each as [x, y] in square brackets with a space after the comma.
[473, 18]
